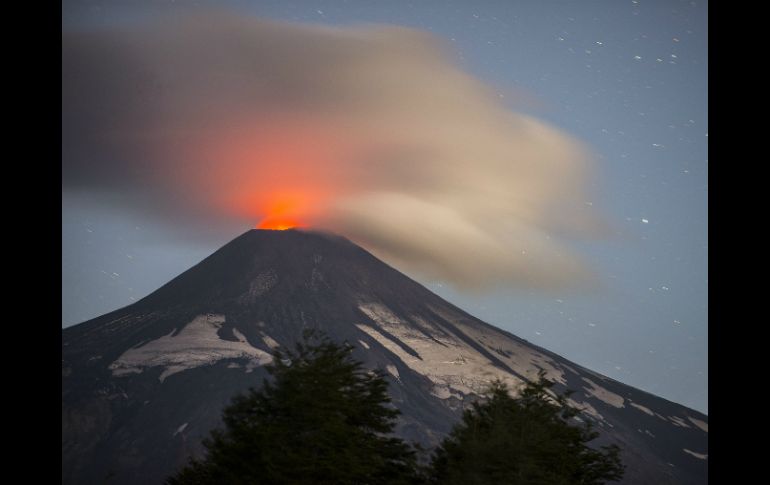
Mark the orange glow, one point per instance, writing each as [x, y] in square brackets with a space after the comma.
[285, 209]
[281, 174]
[277, 224]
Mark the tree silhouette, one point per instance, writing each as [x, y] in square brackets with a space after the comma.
[527, 440]
[323, 419]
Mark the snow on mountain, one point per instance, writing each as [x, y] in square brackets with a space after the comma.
[195, 345]
[131, 377]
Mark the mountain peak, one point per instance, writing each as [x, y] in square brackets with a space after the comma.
[142, 368]
[295, 258]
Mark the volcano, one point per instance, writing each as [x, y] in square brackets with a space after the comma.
[143, 385]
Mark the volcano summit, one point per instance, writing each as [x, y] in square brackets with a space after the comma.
[143, 385]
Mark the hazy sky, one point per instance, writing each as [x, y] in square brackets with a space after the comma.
[613, 92]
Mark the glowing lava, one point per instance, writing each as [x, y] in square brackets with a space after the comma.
[286, 209]
[281, 171]
[278, 224]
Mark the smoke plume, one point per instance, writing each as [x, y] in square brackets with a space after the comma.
[373, 132]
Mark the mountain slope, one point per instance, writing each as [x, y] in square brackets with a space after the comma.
[143, 385]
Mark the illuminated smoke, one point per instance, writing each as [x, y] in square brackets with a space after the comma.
[373, 132]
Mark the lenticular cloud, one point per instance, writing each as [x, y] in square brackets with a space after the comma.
[370, 131]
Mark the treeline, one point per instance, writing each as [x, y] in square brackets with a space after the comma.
[325, 419]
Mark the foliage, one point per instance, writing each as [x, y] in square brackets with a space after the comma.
[323, 419]
[526, 440]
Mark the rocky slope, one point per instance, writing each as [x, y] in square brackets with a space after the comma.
[143, 385]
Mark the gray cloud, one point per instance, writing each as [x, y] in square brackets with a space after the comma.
[371, 131]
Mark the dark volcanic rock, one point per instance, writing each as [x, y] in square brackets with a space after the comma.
[142, 386]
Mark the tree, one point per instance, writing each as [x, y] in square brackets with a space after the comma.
[323, 419]
[527, 440]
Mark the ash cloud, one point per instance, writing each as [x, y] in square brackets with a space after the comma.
[371, 131]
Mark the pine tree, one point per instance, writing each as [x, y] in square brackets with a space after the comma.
[527, 440]
[323, 419]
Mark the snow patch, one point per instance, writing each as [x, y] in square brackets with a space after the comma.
[393, 370]
[604, 395]
[270, 342]
[239, 336]
[679, 422]
[196, 345]
[456, 368]
[391, 323]
[436, 361]
[642, 408]
[441, 392]
[444, 358]
[179, 430]
[364, 344]
[124, 371]
[522, 359]
[701, 424]
[696, 455]
[586, 408]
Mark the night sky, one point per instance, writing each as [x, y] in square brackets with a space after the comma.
[628, 79]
